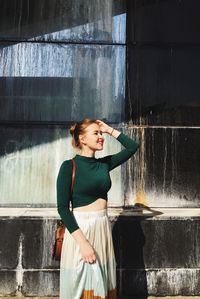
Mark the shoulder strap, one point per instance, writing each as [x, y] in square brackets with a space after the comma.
[73, 174]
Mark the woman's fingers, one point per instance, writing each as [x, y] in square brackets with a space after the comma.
[90, 259]
[87, 252]
[104, 127]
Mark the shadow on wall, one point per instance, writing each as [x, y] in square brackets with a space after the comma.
[22, 19]
[129, 241]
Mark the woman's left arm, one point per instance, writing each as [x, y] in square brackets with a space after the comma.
[131, 146]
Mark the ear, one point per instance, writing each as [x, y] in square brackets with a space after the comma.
[82, 139]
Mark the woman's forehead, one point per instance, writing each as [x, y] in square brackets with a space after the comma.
[93, 127]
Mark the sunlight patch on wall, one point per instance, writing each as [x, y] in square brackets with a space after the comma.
[28, 176]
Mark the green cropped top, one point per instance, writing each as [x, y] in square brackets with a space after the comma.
[92, 180]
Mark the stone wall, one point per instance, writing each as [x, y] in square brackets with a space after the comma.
[157, 252]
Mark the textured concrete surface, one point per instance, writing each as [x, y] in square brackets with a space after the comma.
[157, 252]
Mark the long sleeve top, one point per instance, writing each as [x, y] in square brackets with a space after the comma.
[92, 180]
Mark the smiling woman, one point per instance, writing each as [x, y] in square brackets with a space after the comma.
[88, 265]
[91, 140]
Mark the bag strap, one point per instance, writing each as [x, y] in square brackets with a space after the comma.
[73, 174]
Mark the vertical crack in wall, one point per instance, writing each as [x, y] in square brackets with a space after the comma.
[140, 196]
[164, 161]
[19, 268]
[47, 242]
[173, 160]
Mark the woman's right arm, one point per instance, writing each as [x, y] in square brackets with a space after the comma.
[64, 181]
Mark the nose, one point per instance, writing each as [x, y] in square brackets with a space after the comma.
[100, 135]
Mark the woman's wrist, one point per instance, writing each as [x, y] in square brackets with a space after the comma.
[79, 237]
[113, 132]
[110, 132]
[83, 243]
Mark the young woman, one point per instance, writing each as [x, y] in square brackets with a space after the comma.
[88, 265]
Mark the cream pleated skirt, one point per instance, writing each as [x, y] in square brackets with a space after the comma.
[82, 280]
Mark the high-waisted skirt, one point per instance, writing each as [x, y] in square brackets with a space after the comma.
[82, 280]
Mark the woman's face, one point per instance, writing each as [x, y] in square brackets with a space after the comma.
[92, 137]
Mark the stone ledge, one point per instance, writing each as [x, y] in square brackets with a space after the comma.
[153, 213]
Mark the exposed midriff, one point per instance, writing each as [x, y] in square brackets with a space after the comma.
[98, 204]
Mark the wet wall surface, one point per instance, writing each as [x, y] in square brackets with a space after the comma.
[30, 158]
[163, 101]
[60, 57]
[166, 169]
[58, 20]
[60, 61]
[136, 65]
[124, 63]
[163, 62]
[163, 85]
[58, 82]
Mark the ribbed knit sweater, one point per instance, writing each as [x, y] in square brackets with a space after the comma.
[92, 180]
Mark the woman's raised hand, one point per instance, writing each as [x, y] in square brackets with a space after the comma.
[104, 127]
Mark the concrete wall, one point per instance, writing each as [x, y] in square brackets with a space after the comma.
[157, 252]
[126, 63]
[135, 64]
[162, 100]
[60, 61]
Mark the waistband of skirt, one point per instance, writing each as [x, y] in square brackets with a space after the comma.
[90, 214]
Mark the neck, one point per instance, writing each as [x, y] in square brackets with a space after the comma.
[87, 153]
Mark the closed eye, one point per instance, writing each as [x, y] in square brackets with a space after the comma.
[97, 132]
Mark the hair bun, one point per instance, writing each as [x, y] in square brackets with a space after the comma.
[72, 129]
[77, 129]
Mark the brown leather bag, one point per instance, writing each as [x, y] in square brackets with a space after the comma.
[59, 233]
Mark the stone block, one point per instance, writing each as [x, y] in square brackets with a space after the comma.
[38, 244]
[8, 283]
[40, 283]
[159, 243]
[9, 240]
[163, 282]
